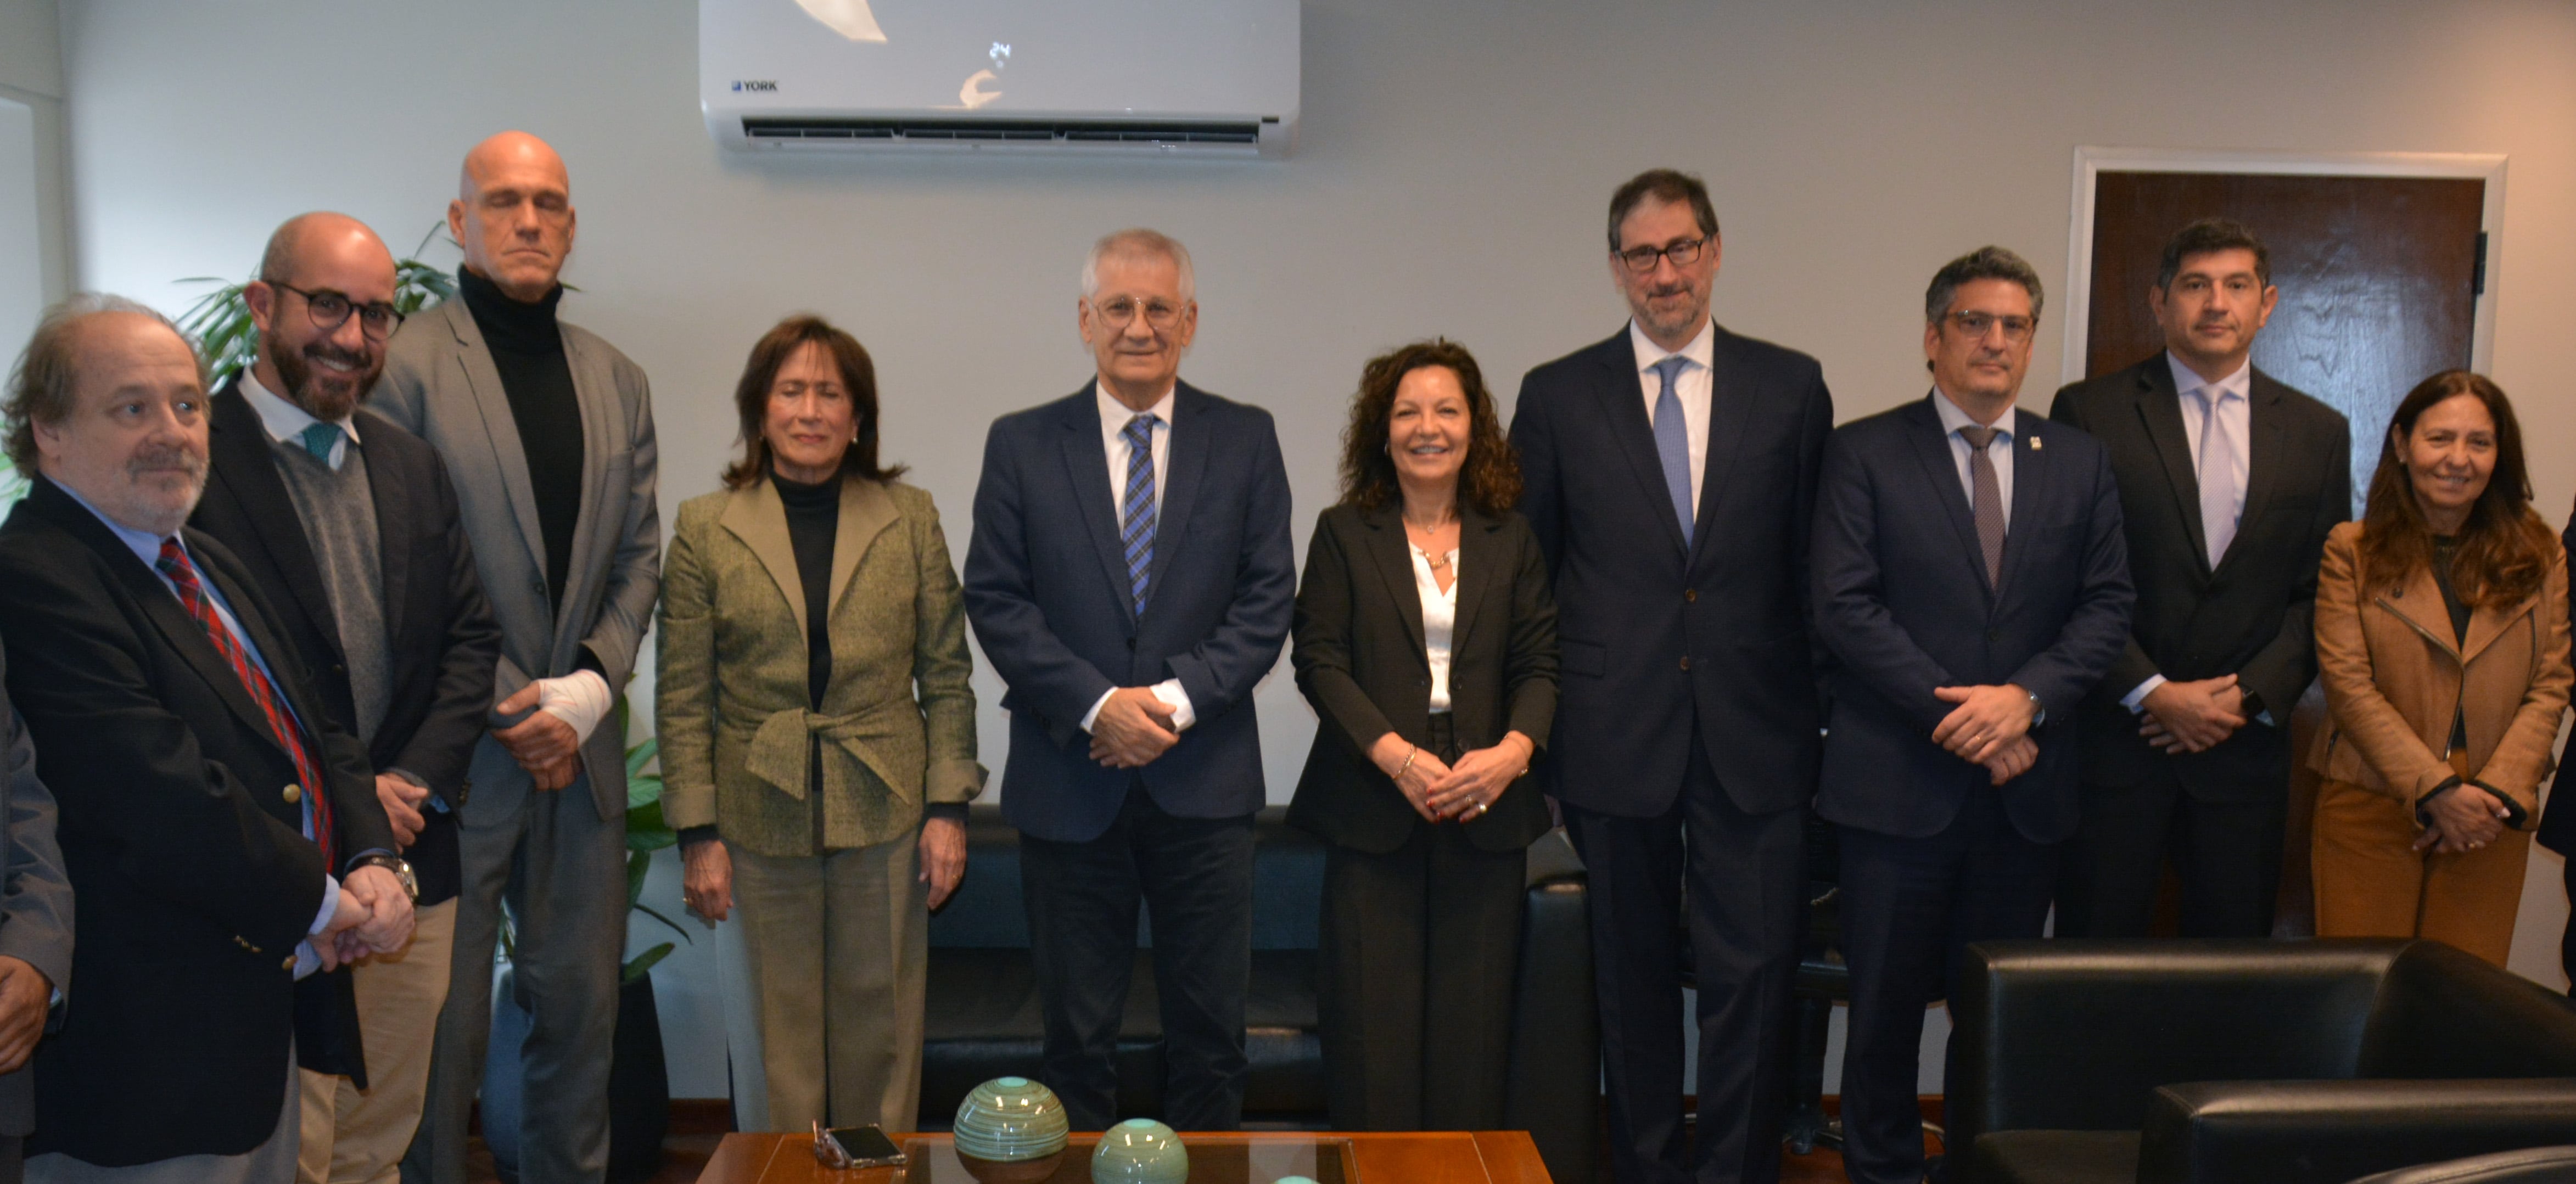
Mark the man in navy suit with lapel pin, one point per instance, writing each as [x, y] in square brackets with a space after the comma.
[1971, 585]
[1670, 475]
[1131, 579]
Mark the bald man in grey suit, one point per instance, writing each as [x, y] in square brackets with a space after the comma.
[547, 432]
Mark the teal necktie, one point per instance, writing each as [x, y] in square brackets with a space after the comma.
[319, 439]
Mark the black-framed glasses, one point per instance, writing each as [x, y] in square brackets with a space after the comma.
[1117, 311]
[1977, 324]
[330, 310]
[1683, 253]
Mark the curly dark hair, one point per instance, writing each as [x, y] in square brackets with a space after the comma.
[2504, 547]
[751, 398]
[1490, 480]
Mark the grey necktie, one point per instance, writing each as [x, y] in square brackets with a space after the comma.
[1988, 504]
[2217, 473]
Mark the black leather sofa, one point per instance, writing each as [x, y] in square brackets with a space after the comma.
[2532, 1165]
[2309, 1062]
[983, 1019]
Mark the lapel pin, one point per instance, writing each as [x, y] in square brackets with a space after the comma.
[2034, 443]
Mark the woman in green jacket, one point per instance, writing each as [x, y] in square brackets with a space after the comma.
[817, 730]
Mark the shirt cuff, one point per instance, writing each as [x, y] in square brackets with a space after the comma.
[306, 961]
[1169, 691]
[580, 698]
[1094, 714]
[2136, 699]
[436, 802]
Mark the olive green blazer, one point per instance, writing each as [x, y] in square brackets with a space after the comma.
[731, 683]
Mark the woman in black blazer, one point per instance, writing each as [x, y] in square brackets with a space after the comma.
[1426, 640]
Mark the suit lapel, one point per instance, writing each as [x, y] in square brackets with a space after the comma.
[393, 526]
[594, 392]
[1086, 465]
[2487, 624]
[754, 515]
[1728, 410]
[1392, 555]
[1480, 570]
[2159, 407]
[1183, 468]
[1932, 450]
[246, 473]
[2033, 472]
[2267, 435]
[1623, 406]
[866, 511]
[509, 456]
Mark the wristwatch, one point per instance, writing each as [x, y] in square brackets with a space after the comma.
[392, 863]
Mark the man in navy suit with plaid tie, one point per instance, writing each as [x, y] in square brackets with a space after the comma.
[1131, 579]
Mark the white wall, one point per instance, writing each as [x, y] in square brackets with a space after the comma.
[1455, 162]
[35, 249]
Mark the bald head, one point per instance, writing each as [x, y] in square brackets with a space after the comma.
[513, 214]
[324, 304]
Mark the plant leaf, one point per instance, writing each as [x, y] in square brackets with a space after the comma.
[643, 963]
[656, 914]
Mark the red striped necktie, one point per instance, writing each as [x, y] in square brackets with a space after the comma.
[281, 722]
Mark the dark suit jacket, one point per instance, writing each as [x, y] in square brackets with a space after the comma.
[1654, 636]
[1362, 662]
[193, 879]
[1903, 603]
[1046, 589]
[35, 894]
[2558, 820]
[441, 639]
[2255, 616]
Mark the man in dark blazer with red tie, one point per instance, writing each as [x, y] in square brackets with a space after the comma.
[222, 835]
[2229, 482]
[1131, 579]
[1669, 473]
[1971, 585]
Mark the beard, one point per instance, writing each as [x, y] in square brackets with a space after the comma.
[326, 394]
[162, 485]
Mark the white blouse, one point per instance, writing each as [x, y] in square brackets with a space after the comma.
[1439, 619]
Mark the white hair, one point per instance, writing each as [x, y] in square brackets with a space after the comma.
[1138, 243]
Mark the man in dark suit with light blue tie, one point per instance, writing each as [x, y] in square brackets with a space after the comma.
[1972, 585]
[1131, 579]
[1670, 474]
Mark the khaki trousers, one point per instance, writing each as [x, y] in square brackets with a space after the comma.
[2371, 882]
[840, 953]
[355, 1136]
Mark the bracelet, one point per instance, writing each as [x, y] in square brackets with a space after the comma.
[1407, 766]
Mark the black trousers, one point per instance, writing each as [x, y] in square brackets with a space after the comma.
[1745, 874]
[2226, 854]
[2567, 939]
[1419, 950]
[1194, 878]
[1910, 908]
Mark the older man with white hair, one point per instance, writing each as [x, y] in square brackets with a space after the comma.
[1135, 764]
[222, 835]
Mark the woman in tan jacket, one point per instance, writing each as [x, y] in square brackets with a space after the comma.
[2442, 634]
[811, 783]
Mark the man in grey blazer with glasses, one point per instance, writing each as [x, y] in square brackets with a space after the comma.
[547, 432]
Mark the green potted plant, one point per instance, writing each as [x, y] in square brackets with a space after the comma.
[219, 322]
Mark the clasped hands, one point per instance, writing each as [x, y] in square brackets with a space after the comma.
[1132, 729]
[2465, 817]
[1990, 727]
[2181, 717]
[1440, 791]
[373, 917]
[544, 743]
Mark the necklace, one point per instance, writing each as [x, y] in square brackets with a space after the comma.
[1437, 560]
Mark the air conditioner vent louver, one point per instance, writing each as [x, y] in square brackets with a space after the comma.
[1032, 132]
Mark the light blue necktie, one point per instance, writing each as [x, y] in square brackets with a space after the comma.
[319, 438]
[1136, 518]
[2218, 506]
[1672, 442]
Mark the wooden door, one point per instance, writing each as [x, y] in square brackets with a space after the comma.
[2379, 279]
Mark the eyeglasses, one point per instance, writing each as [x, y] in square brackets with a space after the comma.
[1683, 253]
[330, 310]
[1975, 325]
[1117, 311]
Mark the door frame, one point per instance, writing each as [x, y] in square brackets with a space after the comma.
[2091, 161]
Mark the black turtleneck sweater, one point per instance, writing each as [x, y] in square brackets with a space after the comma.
[813, 518]
[527, 348]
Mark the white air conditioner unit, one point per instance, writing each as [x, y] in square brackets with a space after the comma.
[1180, 78]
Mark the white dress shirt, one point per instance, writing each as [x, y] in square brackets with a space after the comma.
[1692, 386]
[1113, 439]
[1999, 449]
[286, 422]
[2193, 390]
[1439, 619]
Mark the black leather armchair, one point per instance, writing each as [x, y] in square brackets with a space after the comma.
[2308, 1062]
[983, 1020]
[2532, 1165]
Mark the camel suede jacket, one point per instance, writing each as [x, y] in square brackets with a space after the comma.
[731, 684]
[2394, 676]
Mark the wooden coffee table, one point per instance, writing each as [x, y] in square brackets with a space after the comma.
[1260, 1157]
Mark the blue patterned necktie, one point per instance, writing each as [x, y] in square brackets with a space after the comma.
[1136, 517]
[1672, 442]
[319, 438]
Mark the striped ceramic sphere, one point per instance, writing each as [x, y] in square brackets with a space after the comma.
[1009, 1119]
